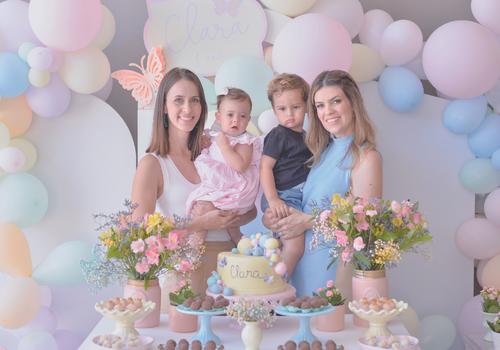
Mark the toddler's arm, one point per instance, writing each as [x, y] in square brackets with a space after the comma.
[278, 207]
[237, 157]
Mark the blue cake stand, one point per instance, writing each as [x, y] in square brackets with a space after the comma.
[205, 333]
[304, 332]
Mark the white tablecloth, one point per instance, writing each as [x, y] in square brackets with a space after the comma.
[229, 331]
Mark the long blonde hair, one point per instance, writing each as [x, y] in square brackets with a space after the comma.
[159, 138]
[318, 137]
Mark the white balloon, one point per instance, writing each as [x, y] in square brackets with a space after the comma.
[374, 23]
[267, 120]
[487, 12]
[107, 31]
[38, 78]
[401, 42]
[12, 159]
[492, 207]
[349, 13]
[436, 332]
[38, 340]
[275, 22]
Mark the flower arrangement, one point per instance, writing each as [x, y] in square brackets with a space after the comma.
[491, 300]
[495, 325]
[140, 249]
[370, 233]
[330, 293]
[182, 293]
[243, 310]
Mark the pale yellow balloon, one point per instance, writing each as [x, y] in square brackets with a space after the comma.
[15, 257]
[85, 71]
[411, 321]
[290, 8]
[16, 114]
[367, 64]
[108, 29]
[19, 301]
[268, 56]
[39, 78]
[30, 152]
[4, 135]
[252, 129]
[491, 273]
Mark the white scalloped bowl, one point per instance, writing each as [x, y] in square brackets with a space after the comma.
[116, 315]
[378, 319]
[146, 344]
[412, 346]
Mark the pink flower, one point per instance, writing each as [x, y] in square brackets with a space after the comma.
[185, 266]
[319, 290]
[325, 214]
[357, 209]
[142, 267]
[153, 256]
[358, 244]
[371, 213]
[152, 241]
[329, 293]
[329, 283]
[341, 237]
[417, 218]
[137, 246]
[395, 207]
[172, 240]
[346, 255]
[362, 226]
[405, 209]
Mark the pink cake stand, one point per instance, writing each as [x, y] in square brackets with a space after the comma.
[273, 298]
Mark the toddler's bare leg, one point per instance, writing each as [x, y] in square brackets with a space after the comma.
[200, 208]
[293, 249]
[235, 234]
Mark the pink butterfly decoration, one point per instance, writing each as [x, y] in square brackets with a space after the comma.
[229, 6]
[145, 84]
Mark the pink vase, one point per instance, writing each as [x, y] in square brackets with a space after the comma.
[181, 323]
[135, 289]
[332, 321]
[368, 284]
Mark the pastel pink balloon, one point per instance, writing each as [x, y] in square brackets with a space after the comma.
[65, 25]
[460, 59]
[470, 319]
[487, 12]
[490, 273]
[295, 51]
[492, 207]
[374, 24]
[400, 43]
[478, 238]
[280, 268]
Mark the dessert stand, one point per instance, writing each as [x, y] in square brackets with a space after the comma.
[378, 319]
[205, 332]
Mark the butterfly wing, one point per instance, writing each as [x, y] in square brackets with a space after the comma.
[232, 7]
[156, 66]
[137, 83]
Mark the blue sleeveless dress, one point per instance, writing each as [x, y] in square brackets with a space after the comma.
[331, 175]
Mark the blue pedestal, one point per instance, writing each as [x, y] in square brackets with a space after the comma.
[304, 332]
[205, 333]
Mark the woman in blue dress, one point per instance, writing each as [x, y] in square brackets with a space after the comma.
[342, 140]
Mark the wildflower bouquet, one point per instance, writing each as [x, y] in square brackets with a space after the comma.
[243, 310]
[491, 300]
[495, 325]
[370, 233]
[140, 249]
[330, 293]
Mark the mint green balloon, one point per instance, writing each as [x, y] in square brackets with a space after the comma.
[479, 176]
[209, 91]
[23, 199]
[61, 267]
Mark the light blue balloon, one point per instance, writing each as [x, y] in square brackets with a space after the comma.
[464, 116]
[23, 199]
[61, 267]
[495, 159]
[248, 73]
[436, 332]
[486, 138]
[479, 176]
[209, 91]
[13, 75]
[401, 89]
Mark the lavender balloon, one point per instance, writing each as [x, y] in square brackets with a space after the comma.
[38, 340]
[51, 100]
[15, 28]
[68, 340]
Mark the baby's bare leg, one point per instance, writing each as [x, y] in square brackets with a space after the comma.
[200, 208]
[235, 234]
[293, 249]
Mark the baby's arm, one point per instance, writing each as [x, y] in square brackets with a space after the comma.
[278, 207]
[237, 157]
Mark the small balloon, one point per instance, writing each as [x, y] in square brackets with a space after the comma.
[490, 275]
[267, 121]
[11, 159]
[39, 78]
[24, 50]
[436, 332]
[374, 23]
[40, 58]
[19, 302]
[13, 75]
[464, 116]
[107, 31]
[479, 176]
[492, 207]
[367, 64]
[478, 238]
[486, 138]
[16, 114]
[401, 89]
[38, 340]
[51, 100]
[15, 256]
[29, 151]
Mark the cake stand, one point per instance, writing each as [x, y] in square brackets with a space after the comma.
[205, 333]
[304, 332]
[125, 319]
[378, 319]
[273, 298]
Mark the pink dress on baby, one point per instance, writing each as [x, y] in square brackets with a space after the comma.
[225, 187]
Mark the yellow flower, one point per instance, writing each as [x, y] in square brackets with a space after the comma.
[105, 235]
[386, 252]
[108, 242]
[153, 221]
[336, 199]
[398, 222]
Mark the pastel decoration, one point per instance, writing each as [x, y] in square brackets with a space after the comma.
[464, 116]
[275, 23]
[57, 59]
[61, 267]
[268, 56]
[38, 340]
[45, 296]
[374, 23]
[493, 97]
[290, 8]
[23, 199]
[72, 25]
[486, 138]
[29, 151]
[228, 291]
[271, 243]
[40, 58]
[478, 238]
[262, 240]
[85, 71]
[4, 135]
[252, 129]
[215, 288]
[479, 176]
[11, 159]
[436, 332]
[416, 66]
[400, 43]
[19, 302]
[107, 29]
[8, 340]
[490, 275]
[104, 93]
[244, 244]
[349, 13]
[331, 49]
[45, 320]
[13, 75]
[209, 91]
[479, 272]
[492, 207]
[15, 257]
[280, 268]
[495, 159]
[274, 258]
[14, 25]
[460, 59]
[16, 114]
[67, 339]
[39, 78]
[267, 120]
[24, 50]
[470, 318]
[410, 320]
[401, 89]
[367, 64]
[247, 251]
[51, 100]
[487, 12]
[248, 73]
[211, 280]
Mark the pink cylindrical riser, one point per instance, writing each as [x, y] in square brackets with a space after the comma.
[135, 289]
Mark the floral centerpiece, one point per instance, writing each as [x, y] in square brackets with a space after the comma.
[333, 321]
[243, 310]
[490, 300]
[330, 293]
[371, 234]
[495, 325]
[182, 292]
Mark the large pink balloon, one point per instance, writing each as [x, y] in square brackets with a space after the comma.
[478, 238]
[492, 206]
[65, 25]
[487, 12]
[460, 59]
[310, 44]
[400, 43]
[470, 320]
[374, 23]
[491, 273]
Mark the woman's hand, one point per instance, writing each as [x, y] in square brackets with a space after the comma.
[294, 224]
[215, 220]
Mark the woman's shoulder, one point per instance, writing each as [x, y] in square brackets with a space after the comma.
[149, 165]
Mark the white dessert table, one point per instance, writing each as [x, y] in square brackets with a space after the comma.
[228, 330]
